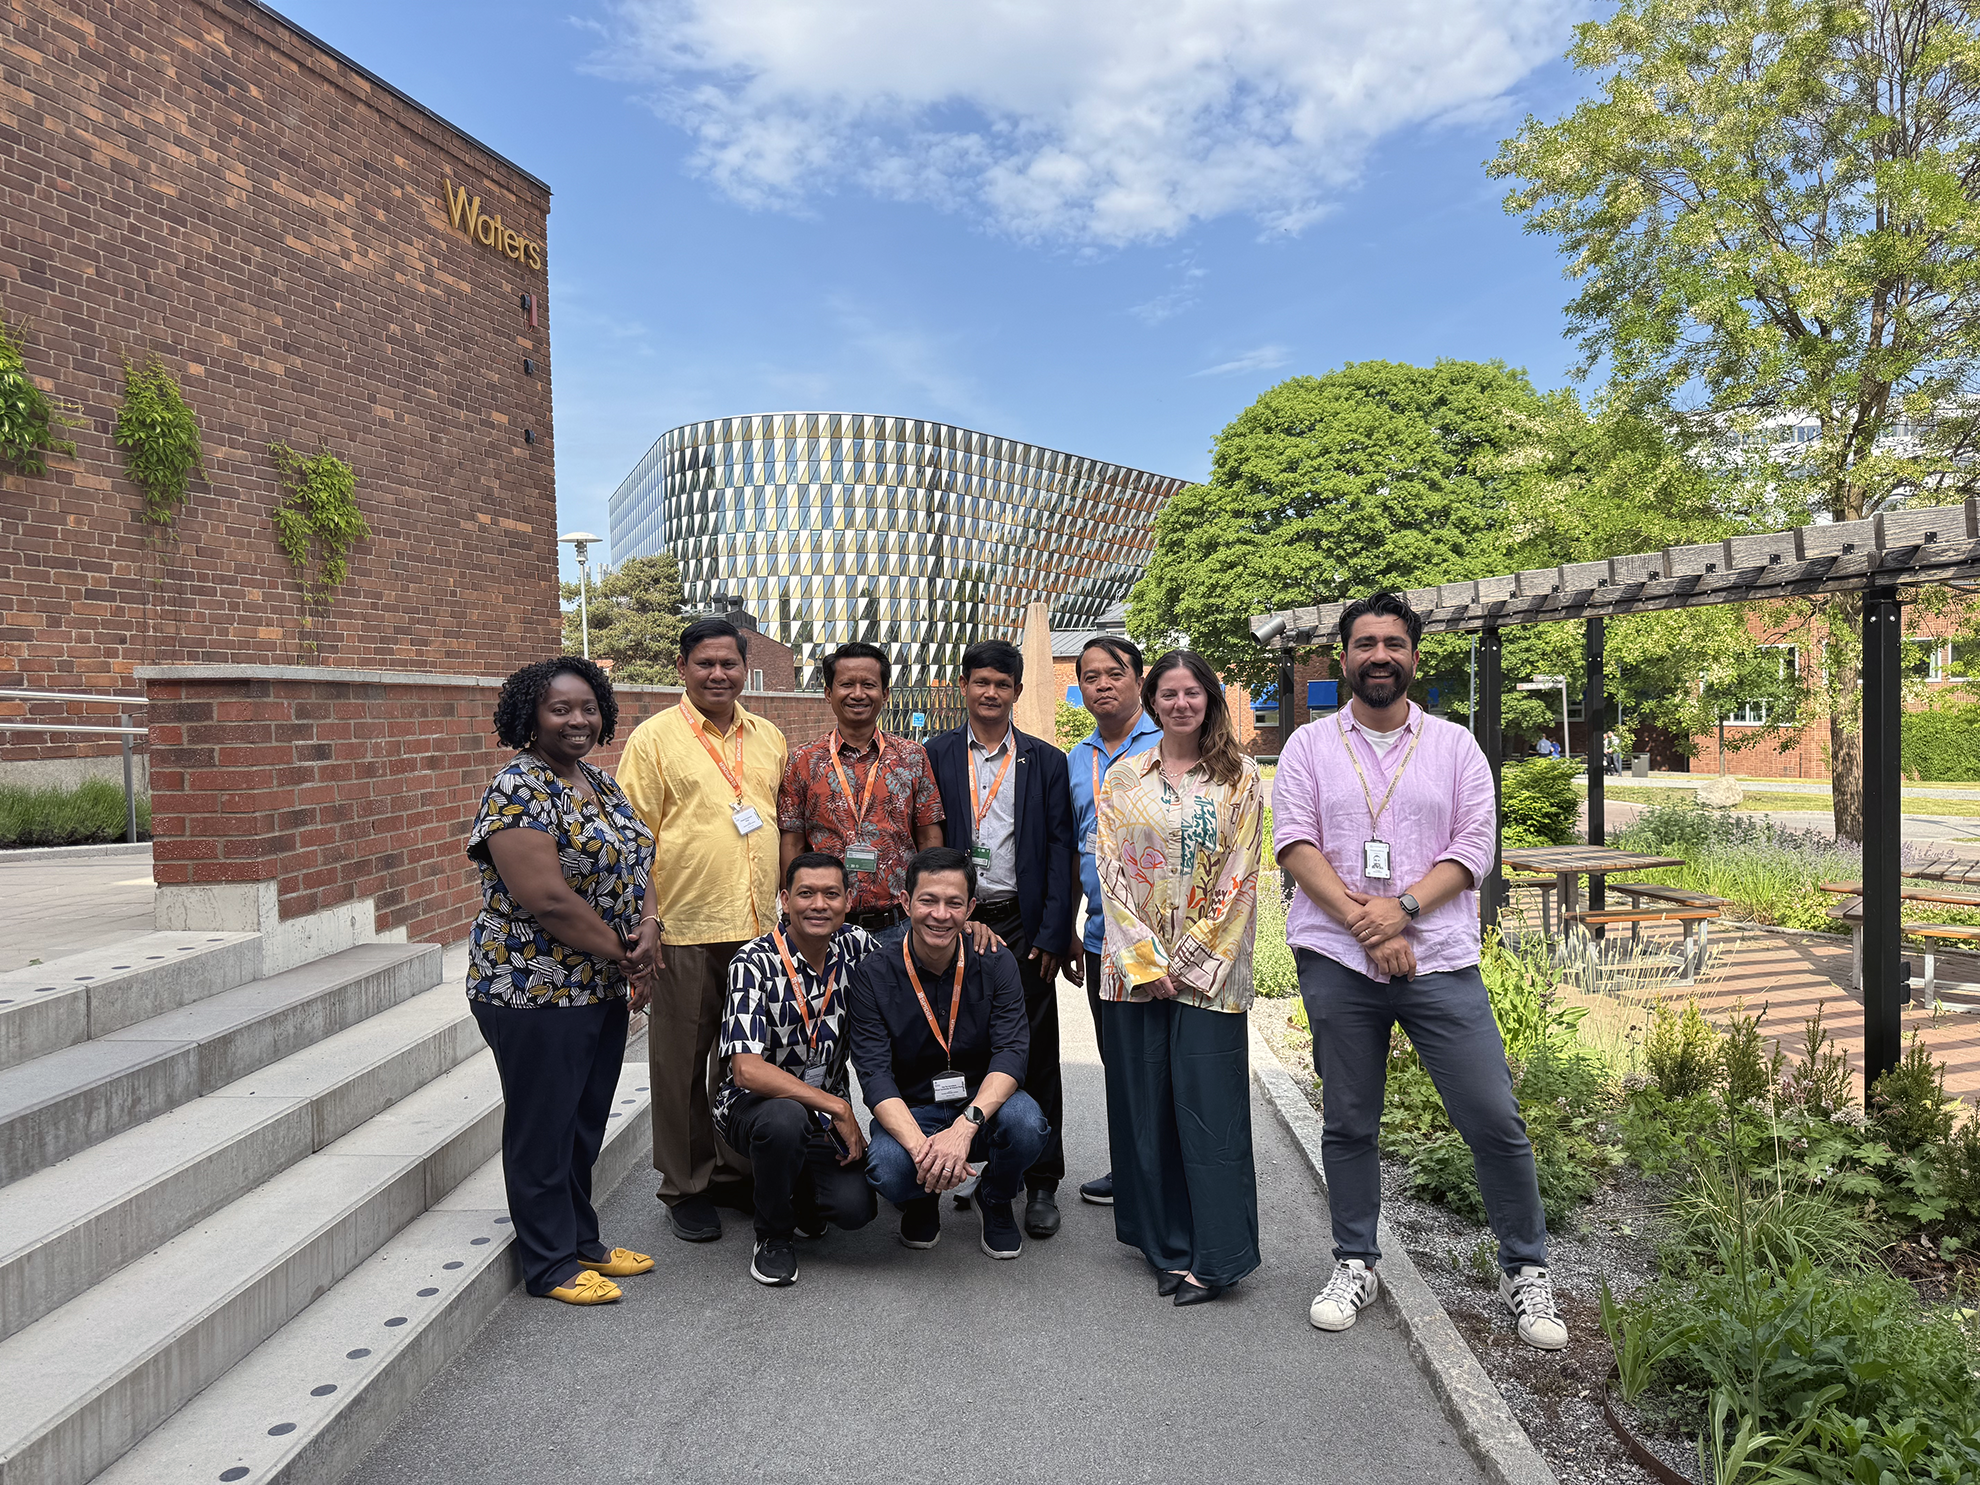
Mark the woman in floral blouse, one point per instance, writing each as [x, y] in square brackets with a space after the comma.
[1179, 829]
[561, 953]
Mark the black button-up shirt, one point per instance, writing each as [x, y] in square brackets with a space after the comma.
[893, 1049]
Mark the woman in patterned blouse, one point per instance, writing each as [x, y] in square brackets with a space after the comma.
[561, 943]
[1179, 829]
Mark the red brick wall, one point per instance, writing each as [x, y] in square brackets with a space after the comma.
[195, 178]
[338, 789]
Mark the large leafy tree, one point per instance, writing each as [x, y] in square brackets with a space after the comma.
[636, 619]
[1773, 210]
[1378, 475]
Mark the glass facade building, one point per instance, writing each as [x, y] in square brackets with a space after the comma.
[917, 536]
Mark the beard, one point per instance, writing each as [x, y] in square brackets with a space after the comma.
[1385, 687]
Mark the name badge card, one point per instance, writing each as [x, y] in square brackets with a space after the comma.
[862, 858]
[814, 1074]
[1375, 860]
[980, 855]
[1091, 843]
[951, 1087]
[748, 821]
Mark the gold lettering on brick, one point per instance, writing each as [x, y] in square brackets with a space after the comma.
[464, 214]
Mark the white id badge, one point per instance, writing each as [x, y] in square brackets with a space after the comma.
[814, 1074]
[1375, 860]
[748, 821]
[862, 858]
[951, 1087]
[1091, 845]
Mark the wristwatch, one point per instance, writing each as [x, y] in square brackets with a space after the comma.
[1410, 905]
[974, 1115]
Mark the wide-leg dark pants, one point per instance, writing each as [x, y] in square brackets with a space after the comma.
[1179, 1126]
[559, 1067]
[1043, 1078]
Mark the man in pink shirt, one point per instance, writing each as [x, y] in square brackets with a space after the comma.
[1385, 817]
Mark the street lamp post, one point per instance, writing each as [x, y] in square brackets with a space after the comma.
[581, 541]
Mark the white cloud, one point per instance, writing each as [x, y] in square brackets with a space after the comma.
[1088, 121]
[1264, 358]
[1178, 297]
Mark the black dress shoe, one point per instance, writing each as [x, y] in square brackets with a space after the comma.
[1197, 1294]
[1167, 1284]
[1041, 1214]
[693, 1220]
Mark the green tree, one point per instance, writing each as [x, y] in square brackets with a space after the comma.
[635, 619]
[1376, 475]
[1773, 210]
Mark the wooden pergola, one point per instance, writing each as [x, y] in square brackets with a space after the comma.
[1876, 558]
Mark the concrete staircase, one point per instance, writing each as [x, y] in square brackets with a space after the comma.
[243, 1220]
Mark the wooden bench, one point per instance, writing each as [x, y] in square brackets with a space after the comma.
[1683, 897]
[1697, 923]
[1851, 912]
[1546, 887]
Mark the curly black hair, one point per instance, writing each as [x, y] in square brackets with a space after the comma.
[523, 692]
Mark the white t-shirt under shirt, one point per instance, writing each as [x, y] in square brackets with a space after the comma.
[1380, 741]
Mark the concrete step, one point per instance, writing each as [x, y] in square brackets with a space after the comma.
[316, 1398]
[46, 1007]
[64, 1228]
[85, 1383]
[68, 1100]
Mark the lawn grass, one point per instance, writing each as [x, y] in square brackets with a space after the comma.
[90, 814]
[1772, 802]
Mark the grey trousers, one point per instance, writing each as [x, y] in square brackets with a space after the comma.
[1448, 1017]
[682, 1027]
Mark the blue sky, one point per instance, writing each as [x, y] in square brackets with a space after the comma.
[1104, 226]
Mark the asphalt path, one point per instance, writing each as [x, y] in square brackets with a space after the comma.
[883, 1363]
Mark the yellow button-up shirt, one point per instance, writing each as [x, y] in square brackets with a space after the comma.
[709, 885]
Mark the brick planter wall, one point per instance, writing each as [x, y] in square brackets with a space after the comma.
[336, 786]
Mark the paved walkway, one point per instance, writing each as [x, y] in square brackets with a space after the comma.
[946, 1366]
[66, 905]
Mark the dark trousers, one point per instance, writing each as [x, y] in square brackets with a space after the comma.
[797, 1168]
[1448, 1018]
[1042, 1079]
[1093, 1001]
[1007, 1144]
[559, 1067]
[1179, 1125]
[686, 1074]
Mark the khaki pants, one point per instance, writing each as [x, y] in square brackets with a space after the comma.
[682, 1028]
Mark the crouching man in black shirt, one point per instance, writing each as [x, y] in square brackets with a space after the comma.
[939, 1040]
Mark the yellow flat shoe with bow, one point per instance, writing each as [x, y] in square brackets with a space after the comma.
[619, 1262]
[586, 1288]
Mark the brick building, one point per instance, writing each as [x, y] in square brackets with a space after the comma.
[317, 260]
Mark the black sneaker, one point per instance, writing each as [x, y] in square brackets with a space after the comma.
[774, 1263]
[1001, 1238]
[811, 1227]
[921, 1222]
[693, 1220]
[1099, 1190]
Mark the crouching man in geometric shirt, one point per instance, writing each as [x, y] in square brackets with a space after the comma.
[783, 1098]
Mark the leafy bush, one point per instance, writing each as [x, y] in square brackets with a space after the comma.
[1750, 1072]
[1681, 1050]
[90, 814]
[29, 416]
[1541, 802]
[1767, 873]
[1784, 1222]
[160, 438]
[1909, 1102]
[1072, 724]
[1943, 744]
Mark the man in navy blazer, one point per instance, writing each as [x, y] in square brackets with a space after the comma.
[1008, 803]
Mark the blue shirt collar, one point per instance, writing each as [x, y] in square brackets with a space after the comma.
[1143, 726]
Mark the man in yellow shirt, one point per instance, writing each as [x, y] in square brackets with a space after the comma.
[703, 775]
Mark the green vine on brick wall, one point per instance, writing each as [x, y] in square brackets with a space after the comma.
[317, 521]
[29, 416]
[160, 438]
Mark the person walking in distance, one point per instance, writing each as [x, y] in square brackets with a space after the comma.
[1008, 807]
[1109, 671]
[1385, 817]
[703, 775]
[858, 794]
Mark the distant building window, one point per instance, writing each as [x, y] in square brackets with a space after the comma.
[1755, 713]
[756, 680]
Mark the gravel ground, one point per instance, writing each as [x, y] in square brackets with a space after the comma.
[1556, 1396]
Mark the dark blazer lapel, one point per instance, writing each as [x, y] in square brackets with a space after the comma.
[1020, 785]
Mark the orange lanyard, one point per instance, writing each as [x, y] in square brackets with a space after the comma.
[955, 997]
[797, 990]
[872, 778]
[733, 775]
[984, 801]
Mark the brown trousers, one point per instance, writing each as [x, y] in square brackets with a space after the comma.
[683, 1025]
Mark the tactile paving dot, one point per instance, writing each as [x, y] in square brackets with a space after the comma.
[501, 1221]
[357, 1355]
[455, 1264]
[428, 1293]
[324, 1391]
[396, 1320]
[120, 966]
[281, 1428]
[238, 1472]
[625, 1100]
[479, 1241]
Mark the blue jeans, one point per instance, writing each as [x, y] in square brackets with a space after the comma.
[1009, 1142]
[1448, 1017]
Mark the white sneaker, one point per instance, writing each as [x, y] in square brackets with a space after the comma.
[1530, 1296]
[1353, 1285]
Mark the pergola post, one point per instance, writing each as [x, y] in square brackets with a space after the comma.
[1594, 717]
[1287, 717]
[1491, 738]
[1885, 989]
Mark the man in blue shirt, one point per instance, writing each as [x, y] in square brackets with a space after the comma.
[1109, 671]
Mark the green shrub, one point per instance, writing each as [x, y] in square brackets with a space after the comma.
[1274, 974]
[90, 814]
[1909, 1104]
[1943, 744]
[1071, 725]
[1784, 1223]
[1768, 873]
[160, 438]
[1681, 1051]
[1750, 1072]
[29, 416]
[1541, 802]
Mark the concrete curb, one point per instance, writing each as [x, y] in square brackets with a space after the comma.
[1471, 1401]
[73, 853]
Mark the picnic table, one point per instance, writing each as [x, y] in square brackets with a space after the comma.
[1568, 864]
[1954, 935]
[1692, 911]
